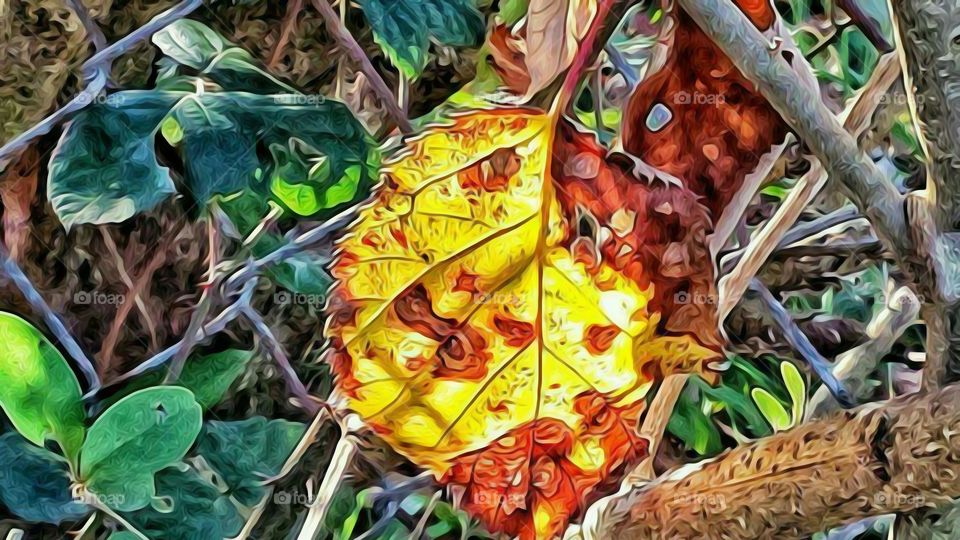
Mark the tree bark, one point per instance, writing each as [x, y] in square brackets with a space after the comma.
[929, 49]
[820, 475]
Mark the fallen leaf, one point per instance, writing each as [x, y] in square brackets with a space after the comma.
[467, 330]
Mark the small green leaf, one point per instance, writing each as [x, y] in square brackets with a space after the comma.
[404, 28]
[797, 390]
[122, 535]
[193, 44]
[35, 483]
[772, 410]
[210, 377]
[138, 436]
[694, 428]
[246, 452]
[218, 135]
[39, 392]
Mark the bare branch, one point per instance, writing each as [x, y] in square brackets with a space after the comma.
[766, 66]
[801, 343]
[350, 46]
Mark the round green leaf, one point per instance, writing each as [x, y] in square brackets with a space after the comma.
[138, 436]
[39, 392]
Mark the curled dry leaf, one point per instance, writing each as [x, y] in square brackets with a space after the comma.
[698, 118]
[543, 44]
[473, 331]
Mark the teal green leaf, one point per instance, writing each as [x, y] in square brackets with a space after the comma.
[797, 390]
[218, 135]
[771, 408]
[246, 452]
[35, 483]
[136, 437]
[210, 377]
[195, 45]
[105, 170]
[404, 28]
[197, 509]
[857, 56]
[38, 391]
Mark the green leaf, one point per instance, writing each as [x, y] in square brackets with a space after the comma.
[771, 408]
[797, 390]
[197, 509]
[39, 392]
[35, 483]
[138, 436]
[303, 273]
[858, 57]
[694, 428]
[209, 377]
[246, 452]
[404, 28]
[218, 136]
[105, 170]
[193, 44]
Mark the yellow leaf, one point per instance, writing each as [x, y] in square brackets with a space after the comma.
[462, 323]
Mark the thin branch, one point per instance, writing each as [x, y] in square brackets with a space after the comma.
[286, 30]
[350, 46]
[215, 326]
[343, 455]
[306, 401]
[801, 343]
[93, 30]
[10, 269]
[855, 117]
[854, 366]
[867, 24]
[802, 109]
